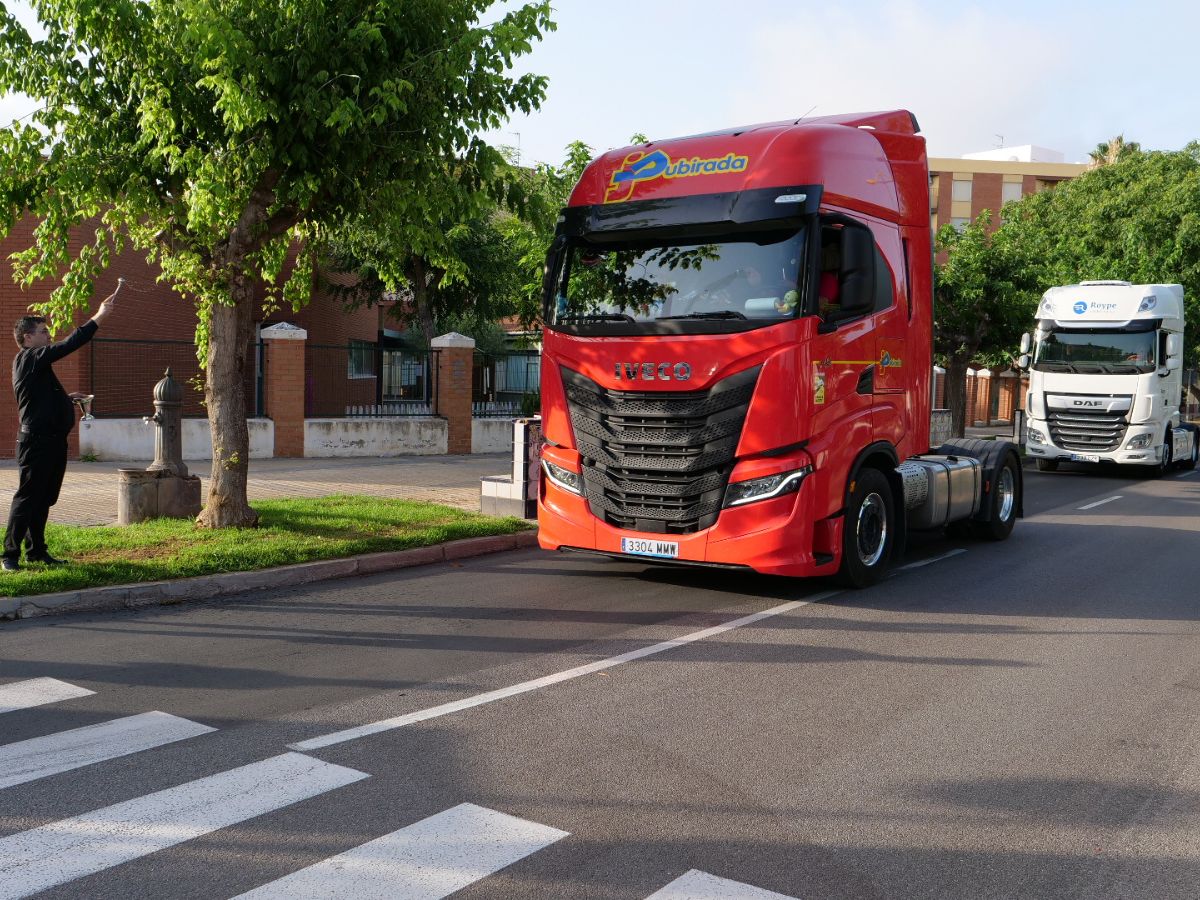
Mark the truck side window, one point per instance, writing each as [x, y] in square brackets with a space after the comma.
[831, 275]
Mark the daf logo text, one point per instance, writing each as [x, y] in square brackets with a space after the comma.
[649, 371]
[1088, 402]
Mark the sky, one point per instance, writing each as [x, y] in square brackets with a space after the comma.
[1061, 75]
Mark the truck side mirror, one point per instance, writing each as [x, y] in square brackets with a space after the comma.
[857, 272]
[1026, 342]
[1172, 363]
[1023, 360]
[1174, 346]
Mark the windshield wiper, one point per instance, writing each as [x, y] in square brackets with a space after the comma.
[586, 318]
[716, 314]
[1054, 365]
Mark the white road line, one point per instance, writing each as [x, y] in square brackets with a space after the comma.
[37, 692]
[928, 562]
[43, 756]
[428, 860]
[62, 851]
[697, 885]
[434, 712]
[1101, 502]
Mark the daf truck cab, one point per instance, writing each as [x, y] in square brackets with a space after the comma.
[1105, 377]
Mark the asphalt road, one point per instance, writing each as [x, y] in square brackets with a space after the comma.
[995, 720]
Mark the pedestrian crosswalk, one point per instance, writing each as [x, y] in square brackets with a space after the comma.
[428, 859]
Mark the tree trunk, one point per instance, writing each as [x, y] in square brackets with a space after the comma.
[230, 331]
[956, 393]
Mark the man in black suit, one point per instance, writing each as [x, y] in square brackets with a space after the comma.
[47, 417]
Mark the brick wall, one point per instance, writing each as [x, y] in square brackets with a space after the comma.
[148, 311]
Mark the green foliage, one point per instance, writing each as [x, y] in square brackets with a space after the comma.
[474, 254]
[214, 133]
[291, 531]
[985, 292]
[1136, 219]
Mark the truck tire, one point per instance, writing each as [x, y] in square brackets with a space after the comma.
[1047, 465]
[1189, 462]
[1165, 465]
[869, 530]
[1004, 499]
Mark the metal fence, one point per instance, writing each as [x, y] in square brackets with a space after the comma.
[122, 375]
[506, 385]
[363, 379]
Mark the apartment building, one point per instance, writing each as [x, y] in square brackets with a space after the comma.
[960, 189]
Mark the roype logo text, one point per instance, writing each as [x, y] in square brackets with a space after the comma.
[1082, 306]
[640, 167]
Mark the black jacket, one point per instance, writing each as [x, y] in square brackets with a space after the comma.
[44, 406]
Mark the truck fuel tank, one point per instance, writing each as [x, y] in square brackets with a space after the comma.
[940, 489]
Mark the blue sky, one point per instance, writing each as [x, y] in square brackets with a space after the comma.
[1063, 75]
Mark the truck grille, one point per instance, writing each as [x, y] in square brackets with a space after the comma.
[1083, 431]
[658, 462]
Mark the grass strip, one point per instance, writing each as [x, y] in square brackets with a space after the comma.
[289, 531]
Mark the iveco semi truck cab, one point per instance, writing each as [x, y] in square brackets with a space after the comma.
[1105, 377]
[737, 356]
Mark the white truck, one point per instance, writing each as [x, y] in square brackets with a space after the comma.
[1105, 377]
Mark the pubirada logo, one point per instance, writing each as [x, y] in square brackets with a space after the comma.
[649, 371]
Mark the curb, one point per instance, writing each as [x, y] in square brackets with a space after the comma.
[205, 587]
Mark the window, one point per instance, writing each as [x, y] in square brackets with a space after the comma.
[962, 191]
[959, 223]
[1010, 191]
[361, 360]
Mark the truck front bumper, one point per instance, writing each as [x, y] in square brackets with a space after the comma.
[1124, 455]
[774, 536]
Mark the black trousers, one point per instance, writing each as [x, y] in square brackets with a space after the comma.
[41, 463]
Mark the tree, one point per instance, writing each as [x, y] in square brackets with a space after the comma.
[1113, 150]
[215, 135]
[1137, 219]
[473, 254]
[984, 297]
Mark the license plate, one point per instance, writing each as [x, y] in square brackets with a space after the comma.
[643, 547]
[1085, 457]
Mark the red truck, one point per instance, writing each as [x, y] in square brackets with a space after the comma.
[737, 357]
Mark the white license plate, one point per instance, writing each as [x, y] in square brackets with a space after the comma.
[643, 547]
[1085, 457]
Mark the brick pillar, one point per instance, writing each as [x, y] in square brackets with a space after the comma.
[283, 386]
[455, 359]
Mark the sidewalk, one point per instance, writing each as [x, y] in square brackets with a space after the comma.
[89, 492]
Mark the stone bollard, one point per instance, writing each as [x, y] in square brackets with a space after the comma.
[163, 489]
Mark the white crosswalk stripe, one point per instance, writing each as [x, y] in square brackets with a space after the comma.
[62, 851]
[428, 860]
[44, 756]
[37, 692]
[697, 885]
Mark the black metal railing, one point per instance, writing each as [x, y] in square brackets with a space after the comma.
[122, 374]
[363, 379]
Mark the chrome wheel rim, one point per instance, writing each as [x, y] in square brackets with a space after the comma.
[872, 529]
[1008, 493]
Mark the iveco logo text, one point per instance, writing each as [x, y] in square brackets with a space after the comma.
[649, 371]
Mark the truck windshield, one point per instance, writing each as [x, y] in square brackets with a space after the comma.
[1096, 351]
[738, 279]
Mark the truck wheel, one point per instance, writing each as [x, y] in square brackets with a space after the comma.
[1003, 499]
[1047, 465]
[1165, 466]
[1189, 462]
[869, 530]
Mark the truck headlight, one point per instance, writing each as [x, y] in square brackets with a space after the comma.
[742, 492]
[564, 478]
[1142, 440]
[1035, 436]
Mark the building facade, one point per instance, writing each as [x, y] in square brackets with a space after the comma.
[960, 189]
